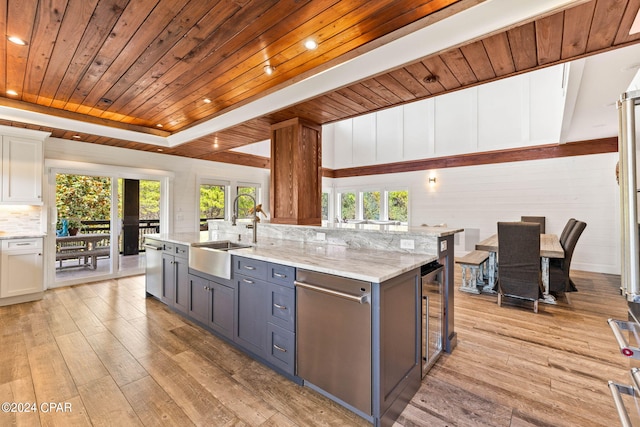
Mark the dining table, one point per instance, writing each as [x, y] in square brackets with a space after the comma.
[550, 247]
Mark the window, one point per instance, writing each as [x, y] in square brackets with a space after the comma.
[398, 205]
[347, 205]
[371, 205]
[245, 204]
[325, 206]
[213, 201]
[374, 205]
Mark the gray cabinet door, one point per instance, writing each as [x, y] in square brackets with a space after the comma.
[168, 280]
[221, 314]
[251, 323]
[181, 275]
[199, 296]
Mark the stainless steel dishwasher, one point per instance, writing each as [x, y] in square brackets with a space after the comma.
[153, 258]
[333, 334]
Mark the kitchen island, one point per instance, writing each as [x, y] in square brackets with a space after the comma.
[269, 309]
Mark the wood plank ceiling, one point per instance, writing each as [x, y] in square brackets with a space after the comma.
[136, 64]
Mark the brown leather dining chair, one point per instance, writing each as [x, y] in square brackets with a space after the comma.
[559, 280]
[539, 219]
[519, 274]
[567, 229]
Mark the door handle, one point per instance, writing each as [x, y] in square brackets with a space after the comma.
[361, 299]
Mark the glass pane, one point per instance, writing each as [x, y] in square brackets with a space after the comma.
[371, 205]
[212, 203]
[149, 208]
[325, 206]
[245, 203]
[83, 228]
[398, 205]
[348, 206]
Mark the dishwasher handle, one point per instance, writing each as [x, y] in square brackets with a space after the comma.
[361, 299]
[157, 248]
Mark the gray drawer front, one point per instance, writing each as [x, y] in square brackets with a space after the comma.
[281, 274]
[176, 249]
[250, 267]
[282, 306]
[281, 347]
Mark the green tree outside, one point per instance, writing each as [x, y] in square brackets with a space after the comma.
[83, 198]
[398, 205]
[212, 201]
[371, 202]
[348, 205]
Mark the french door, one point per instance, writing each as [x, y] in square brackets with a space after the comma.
[114, 208]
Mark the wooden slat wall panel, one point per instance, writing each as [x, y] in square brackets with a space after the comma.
[407, 80]
[100, 26]
[392, 85]
[497, 47]
[478, 59]
[438, 68]
[623, 36]
[131, 33]
[211, 71]
[420, 72]
[606, 19]
[77, 16]
[577, 22]
[522, 41]
[457, 63]
[48, 23]
[549, 38]
[20, 21]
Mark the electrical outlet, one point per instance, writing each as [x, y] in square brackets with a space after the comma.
[321, 236]
[443, 246]
[407, 244]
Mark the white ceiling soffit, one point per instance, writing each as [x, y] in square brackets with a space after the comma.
[598, 86]
[486, 17]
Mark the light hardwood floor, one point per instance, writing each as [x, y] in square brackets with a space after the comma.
[120, 359]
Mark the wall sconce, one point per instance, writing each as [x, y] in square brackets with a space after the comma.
[432, 180]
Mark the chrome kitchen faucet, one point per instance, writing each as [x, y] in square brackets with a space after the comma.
[254, 220]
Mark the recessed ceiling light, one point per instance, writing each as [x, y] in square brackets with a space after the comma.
[207, 101]
[268, 69]
[12, 92]
[17, 40]
[215, 145]
[76, 136]
[311, 44]
[160, 150]
[159, 125]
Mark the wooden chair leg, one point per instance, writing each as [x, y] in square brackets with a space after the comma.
[535, 306]
[499, 299]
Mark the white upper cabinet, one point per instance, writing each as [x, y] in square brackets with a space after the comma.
[22, 169]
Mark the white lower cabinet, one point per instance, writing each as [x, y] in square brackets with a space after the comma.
[21, 267]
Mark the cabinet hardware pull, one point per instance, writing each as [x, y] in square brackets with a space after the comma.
[206, 288]
[23, 244]
[249, 267]
[247, 281]
[362, 299]
[277, 347]
[279, 275]
[281, 307]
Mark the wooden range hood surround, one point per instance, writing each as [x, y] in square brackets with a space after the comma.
[296, 172]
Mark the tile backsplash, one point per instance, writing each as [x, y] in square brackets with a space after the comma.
[21, 219]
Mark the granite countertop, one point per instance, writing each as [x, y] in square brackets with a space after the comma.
[4, 235]
[362, 264]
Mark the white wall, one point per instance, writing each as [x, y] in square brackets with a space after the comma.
[477, 197]
[520, 111]
[184, 217]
